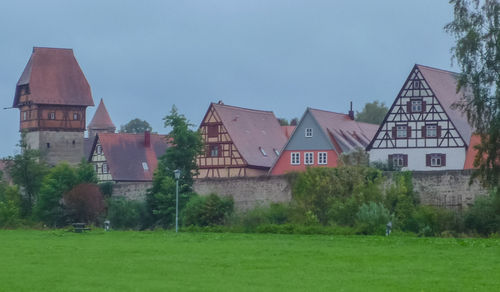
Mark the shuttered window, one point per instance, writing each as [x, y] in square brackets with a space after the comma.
[435, 160]
[398, 160]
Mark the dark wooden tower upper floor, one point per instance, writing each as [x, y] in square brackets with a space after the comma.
[52, 93]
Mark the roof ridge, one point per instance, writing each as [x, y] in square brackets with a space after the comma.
[437, 69]
[242, 108]
[332, 112]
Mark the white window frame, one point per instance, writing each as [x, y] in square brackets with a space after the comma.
[76, 117]
[308, 158]
[309, 132]
[431, 129]
[398, 160]
[400, 130]
[98, 149]
[145, 166]
[322, 158]
[295, 158]
[436, 160]
[52, 116]
[105, 168]
[416, 106]
[25, 116]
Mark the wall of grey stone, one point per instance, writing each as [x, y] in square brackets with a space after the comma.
[131, 190]
[64, 146]
[247, 192]
[450, 189]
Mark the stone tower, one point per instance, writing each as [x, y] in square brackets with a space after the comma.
[101, 122]
[52, 96]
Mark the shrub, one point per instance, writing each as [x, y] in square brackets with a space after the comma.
[401, 200]
[432, 221]
[126, 214]
[106, 189]
[84, 203]
[484, 216]
[372, 218]
[10, 200]
[207, 211]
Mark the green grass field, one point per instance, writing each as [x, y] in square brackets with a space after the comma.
[163, 261]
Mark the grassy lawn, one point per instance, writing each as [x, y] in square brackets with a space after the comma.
[163, 261]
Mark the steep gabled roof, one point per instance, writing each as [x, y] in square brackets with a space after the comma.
[343, 131]
[54, 77]
[444, 85]
[125, 154]
[252, 130]
[101, 119]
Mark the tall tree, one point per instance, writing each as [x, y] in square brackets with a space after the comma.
[373, 113]
[135, 126]
[476, 28]
[27, 170]
[186, 145]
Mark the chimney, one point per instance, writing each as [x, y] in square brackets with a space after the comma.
[351, 113]
[147, 139]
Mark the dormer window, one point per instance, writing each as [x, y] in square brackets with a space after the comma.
[276, 152]
[262, 151]
[145, 166]
[309, 132]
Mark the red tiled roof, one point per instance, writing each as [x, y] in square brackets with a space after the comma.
[471, 152]
[252, 130]
[125, 154]
[444, 85]
[54, 77]
[348, 134]
[288, 130]
[101, 119]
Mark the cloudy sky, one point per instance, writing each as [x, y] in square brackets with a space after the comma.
[142, 57]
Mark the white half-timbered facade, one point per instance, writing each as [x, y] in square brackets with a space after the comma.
[423, 130]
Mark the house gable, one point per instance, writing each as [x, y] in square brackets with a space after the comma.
[318, 141]
[417, 119]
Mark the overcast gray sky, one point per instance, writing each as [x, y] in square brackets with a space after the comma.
[142, 57]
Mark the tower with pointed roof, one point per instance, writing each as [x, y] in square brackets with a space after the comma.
[101, 122]
[52, 96]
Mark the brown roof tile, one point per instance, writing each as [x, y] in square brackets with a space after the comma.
[253, 130]
[444, 85]
[125, 154]
[54, 77]
[348, 133]
[101, 119]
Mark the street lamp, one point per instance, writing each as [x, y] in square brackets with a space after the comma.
[177, 174]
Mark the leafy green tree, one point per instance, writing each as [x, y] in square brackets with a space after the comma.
[359, 157]
[207, 210]
[373, 113]
[60, 180]
[135, 126]
[283, 122]
[27, 170]
[186, 145]
[476, 28]
[10, 199]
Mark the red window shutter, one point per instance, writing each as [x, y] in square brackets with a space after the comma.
[423, 106]
[394, 132]
[427, 159]
[438, 131]
[443, 159]
[408, 106]
[405, 160]
[408, 131]
[424, 133]
[212, 131]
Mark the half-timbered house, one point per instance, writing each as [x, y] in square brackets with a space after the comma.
[120, 157]
[239, 141]
[423, 130]
[100, 123]
[52, 96]
[320, 138]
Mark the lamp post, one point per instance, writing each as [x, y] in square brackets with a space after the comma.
[177, 174]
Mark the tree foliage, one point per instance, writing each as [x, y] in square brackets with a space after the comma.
[60, 179]
[185, 146]
[27, 170]
[373, 113]
[10, 200]
[84, 203]
[207, 210]
[135, 126]
[476, 28]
